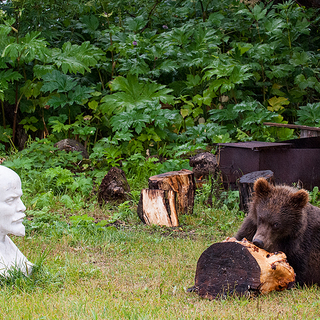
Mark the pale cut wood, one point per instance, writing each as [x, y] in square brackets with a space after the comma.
[182, 182]
[276, 273]
[239, 267]
[158, 207]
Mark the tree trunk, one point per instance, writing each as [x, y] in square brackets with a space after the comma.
[239, 267]
[246, 186]
[181, 182]
[158, 207]
[204, 165]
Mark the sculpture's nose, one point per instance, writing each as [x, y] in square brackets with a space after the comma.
[259, 243]
[21, 207]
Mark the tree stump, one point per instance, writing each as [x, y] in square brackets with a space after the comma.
[241, 268]
[246, 186]
[204, 164]
[72, 145]
[181, 182]
[114, 187]
[158, 207]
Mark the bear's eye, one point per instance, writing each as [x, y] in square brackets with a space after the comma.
[276, 225]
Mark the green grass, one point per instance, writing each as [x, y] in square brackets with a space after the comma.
[134, 272]
[127, 270]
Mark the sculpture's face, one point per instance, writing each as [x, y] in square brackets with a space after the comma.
[11, 207]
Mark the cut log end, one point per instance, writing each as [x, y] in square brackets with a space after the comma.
[158, 207]
[241, 268]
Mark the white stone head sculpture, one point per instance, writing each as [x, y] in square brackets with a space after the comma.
[11, 217]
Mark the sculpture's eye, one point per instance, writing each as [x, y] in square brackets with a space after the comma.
[10, 200]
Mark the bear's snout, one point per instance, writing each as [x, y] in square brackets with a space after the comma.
[258, 242]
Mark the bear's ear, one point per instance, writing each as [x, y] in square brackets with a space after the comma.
[262, 188]
[299, 199]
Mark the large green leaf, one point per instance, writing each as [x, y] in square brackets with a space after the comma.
[27, 49]
[74, 58]
[80, 95]
[57, 81]
[131, 93]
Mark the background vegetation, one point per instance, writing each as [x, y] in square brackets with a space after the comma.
[142, 85]
[148, 76]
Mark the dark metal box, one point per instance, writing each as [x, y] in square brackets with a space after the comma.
[291, 161]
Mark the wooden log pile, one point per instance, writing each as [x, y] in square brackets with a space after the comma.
[169, 194]
[239, 267]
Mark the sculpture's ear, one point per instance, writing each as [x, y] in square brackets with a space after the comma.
[262, 188]
[299, 199]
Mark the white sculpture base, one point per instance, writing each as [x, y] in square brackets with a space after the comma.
[12, 257]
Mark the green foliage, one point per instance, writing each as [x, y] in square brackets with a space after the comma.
[144, 126]
[143, 85]
[39, 220]
[309, 115]
[131, 93]
[101, 72]
[106, 153]
[314, 196]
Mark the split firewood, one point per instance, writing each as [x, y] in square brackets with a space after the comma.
[239, 267]
[158, 207]
[181, 182]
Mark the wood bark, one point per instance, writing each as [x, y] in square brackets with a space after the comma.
[246, 186]
[182, 182]
[158, 207]
[114, 187]
[240, 268]
[204, 165]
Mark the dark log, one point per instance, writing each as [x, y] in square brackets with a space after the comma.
[114, 187]
[240, 268]
[158, 207]
[246, 186]
[72, 145]
[181, 182]
[204, 164]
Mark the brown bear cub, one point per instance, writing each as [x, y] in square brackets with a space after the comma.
[281, 219]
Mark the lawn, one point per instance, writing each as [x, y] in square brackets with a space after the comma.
[127, 270]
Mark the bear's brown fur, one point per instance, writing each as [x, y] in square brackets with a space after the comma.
[281, 219]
